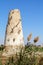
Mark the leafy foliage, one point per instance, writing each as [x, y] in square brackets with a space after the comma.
[27, 57]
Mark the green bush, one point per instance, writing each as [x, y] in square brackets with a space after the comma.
[27, 57]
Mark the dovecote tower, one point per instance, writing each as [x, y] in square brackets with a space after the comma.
[14, 39]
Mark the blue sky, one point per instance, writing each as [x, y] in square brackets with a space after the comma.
[31, 13]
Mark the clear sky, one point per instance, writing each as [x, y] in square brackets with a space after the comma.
[31, 13]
